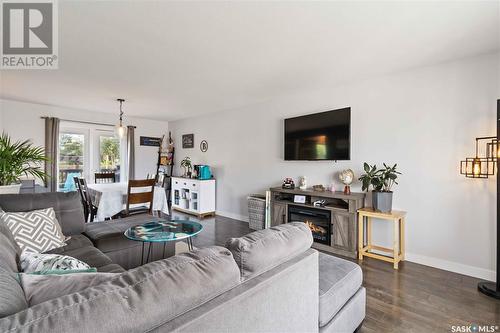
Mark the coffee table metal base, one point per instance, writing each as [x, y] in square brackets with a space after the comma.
[168, 250]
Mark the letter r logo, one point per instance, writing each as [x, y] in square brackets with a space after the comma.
[27, 28]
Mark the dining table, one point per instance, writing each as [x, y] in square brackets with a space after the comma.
[111, 198]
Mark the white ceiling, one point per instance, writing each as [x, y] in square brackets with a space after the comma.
[173, 60]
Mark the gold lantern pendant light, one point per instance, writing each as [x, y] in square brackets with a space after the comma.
[120, 129]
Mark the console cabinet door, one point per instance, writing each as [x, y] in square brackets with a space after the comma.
[343, 231]
[278, 215]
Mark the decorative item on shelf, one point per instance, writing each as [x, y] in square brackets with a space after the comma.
[18, 159]
[319, 203]
[188, 141]
[202, 172]
[204, 146]
[299, 199]
[288, 183]
[481, 166]
[319, 188]
[150, 141]
[332, 187]
[346, 177]
[187, 166]
[303, 183]
[381, 180]
[120, 129]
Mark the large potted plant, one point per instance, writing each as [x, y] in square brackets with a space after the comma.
[381, 180]
[19, 159]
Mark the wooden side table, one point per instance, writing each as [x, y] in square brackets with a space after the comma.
[398, 249]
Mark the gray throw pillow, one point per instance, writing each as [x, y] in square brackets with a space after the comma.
[12, 299]
[41, 288]
[263, 250]
[9, 250]
[45, 263]
[35, 231]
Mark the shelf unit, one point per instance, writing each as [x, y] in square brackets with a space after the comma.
[193, 196]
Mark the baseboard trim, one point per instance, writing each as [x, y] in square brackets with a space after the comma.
[451, 266]
[232, 215]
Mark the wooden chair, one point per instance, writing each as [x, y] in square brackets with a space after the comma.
[105, 177]
[82, 198]
[89, 209]
[135, 198]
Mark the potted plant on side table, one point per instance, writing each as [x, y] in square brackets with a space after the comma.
[19, 159]
[382, 181]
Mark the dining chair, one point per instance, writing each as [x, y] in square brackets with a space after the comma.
[139, 197]
[82, 198]
[88, 207]
[105, 177]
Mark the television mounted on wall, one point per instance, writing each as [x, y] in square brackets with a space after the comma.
[324, 136]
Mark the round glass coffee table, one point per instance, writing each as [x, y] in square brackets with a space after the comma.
[163, 231]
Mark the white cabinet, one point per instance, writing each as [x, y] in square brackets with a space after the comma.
[193, 196]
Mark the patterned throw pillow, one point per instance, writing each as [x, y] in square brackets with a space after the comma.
[35, 231]
[45, 263]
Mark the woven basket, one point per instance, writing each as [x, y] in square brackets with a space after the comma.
[256, 211]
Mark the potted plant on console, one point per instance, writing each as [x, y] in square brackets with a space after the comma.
[19, 159]
[187, 166]
[381, 180]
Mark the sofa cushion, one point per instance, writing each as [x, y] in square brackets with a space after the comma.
[88, 254]
[262, 250]
[74, 242]
[67, 206]
[41, 288]
[339, 280]
[138, 300]
[9, 250]
[12, 299]
[108, 236]
[35, 231]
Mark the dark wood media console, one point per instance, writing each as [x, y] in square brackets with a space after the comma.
[334, 226]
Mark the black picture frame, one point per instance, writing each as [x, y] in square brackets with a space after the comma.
[188, 141]
[150, 141]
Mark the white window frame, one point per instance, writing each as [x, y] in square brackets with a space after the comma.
[91, 157]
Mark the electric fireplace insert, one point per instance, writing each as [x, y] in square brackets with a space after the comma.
[318, 220]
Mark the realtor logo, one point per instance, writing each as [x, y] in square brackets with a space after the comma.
[29, 34]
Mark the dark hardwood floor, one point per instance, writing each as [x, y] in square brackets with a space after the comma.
[415, 298]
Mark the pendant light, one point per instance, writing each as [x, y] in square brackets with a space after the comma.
[120, 129]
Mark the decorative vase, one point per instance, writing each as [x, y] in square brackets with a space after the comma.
[382, 201]
[10, 189]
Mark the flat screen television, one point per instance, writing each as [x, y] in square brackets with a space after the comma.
[319, 136]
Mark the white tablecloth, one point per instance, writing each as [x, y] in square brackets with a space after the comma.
[110, 199]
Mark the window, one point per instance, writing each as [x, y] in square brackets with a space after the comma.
[85, 149]
[109, 154]
[71, 159]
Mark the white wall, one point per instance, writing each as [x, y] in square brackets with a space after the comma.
[22, 121]
[424, 119]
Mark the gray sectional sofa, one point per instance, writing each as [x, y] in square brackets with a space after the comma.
[267, 281]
